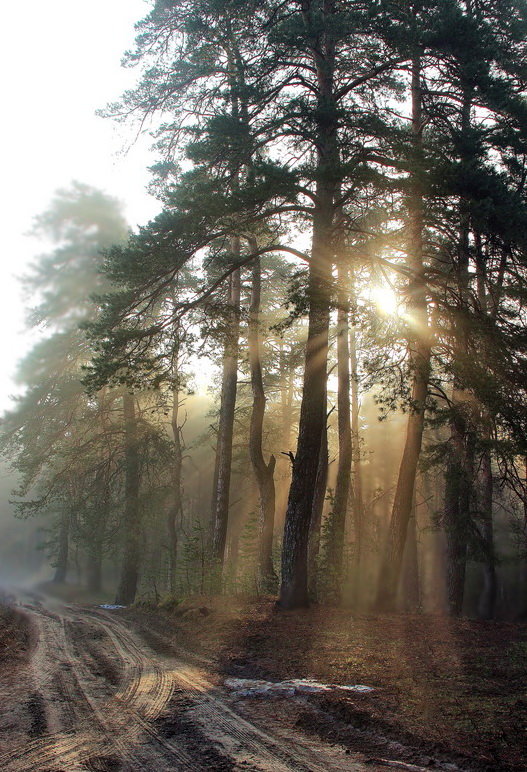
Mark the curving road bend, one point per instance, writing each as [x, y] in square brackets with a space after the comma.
[100, 699]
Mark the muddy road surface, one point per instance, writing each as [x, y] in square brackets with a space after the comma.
[95, 696]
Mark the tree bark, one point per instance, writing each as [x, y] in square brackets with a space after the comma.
[294, 587]
[419, 351]
[459, 472]
[127, 589]
[175, 511]
[61, 565]
[319, 498]
[283, 469]
[220, 503]
[487, 600]
[264, 472]
[489, 592]
[286, 396]
[411, 595]
[337, 522]
[357, 500]
[457, 512]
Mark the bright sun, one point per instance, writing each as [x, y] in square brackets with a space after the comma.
[385, 299]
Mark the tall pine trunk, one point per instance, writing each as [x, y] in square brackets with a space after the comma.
[222, 482]
[95, 546]
[489, 592]
[127, 588]
[61, 562]
[287, 379]
[294, 587]
[459, 470]
[487, 600]
[264, 472]
[283, 469]
[419, 352]
[357, 500]
[175, 511]
[410, 585]
[319, 499]
[337, 522]
[458, 506]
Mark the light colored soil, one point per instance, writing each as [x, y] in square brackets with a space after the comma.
[93, 695]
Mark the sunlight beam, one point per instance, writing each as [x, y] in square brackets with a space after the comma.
[385, 299]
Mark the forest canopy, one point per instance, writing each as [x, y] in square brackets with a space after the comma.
[341, 257]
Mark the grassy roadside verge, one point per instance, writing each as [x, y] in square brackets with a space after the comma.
[16, 636]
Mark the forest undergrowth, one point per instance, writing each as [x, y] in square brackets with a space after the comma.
[16, 639]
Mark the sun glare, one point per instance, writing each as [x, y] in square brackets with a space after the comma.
[385, 299]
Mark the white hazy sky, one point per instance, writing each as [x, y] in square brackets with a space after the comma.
[60, 62]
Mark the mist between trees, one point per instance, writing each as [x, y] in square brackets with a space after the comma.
[342, 241]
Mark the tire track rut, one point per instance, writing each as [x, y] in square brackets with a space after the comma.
[163, 713]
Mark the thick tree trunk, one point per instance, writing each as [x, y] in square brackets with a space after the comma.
[300, 504]
[294, 587]
[319, 498]
[294, 591]
[337, 522]
[419, 350]
[457, 511]
[487, 600]
[411, 594]
[264, 472]
[127, 589]
[61, 564]
[357, 500]
[220, 502]
[522, 565]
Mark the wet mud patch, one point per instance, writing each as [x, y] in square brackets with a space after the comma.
[175, 724]
[36, 709]
[104, 666]
[104, 764]
[94, 644]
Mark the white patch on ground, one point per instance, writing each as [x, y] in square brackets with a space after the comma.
[253, 687]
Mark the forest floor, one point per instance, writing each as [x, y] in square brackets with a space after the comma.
[82, 689]
[451, 691]
[144, 688]
[15, 635]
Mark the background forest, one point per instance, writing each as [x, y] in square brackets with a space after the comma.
[307, 376]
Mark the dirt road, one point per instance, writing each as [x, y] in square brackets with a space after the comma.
[96, 697]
